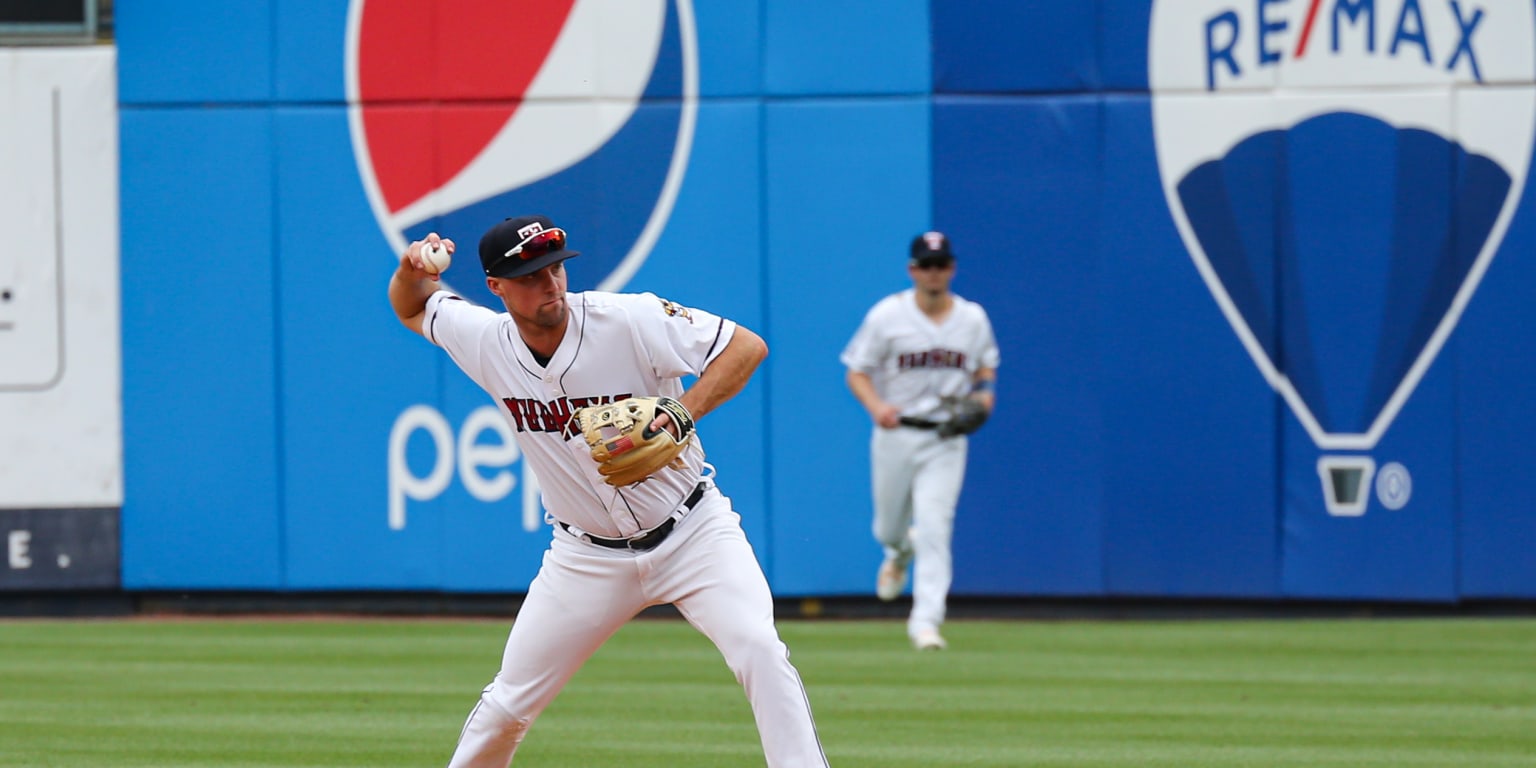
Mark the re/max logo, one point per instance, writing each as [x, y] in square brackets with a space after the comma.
[1278, 29]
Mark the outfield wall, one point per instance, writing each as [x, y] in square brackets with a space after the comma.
[1182, 365]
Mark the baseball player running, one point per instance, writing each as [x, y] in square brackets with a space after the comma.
[924, 364]
[568, 369]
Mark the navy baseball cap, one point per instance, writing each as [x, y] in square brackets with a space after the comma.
[522, 246]
[931, 248]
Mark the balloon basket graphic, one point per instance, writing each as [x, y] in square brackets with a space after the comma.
[1346, 480]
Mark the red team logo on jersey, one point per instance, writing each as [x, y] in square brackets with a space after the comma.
[465, 113]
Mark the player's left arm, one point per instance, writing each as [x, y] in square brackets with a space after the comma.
[727, 374]
[984, 380]
[984, 386]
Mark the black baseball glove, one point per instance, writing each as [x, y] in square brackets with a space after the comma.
[966, 415]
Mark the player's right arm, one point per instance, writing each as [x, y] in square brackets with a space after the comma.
[864, 353]
[863, 388]
[412, 284]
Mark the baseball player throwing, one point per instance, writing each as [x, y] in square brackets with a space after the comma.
[589, 374]
[923, 363]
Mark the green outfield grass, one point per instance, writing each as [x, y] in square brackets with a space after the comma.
[252, 692]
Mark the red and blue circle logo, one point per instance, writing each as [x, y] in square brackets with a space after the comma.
[465, 113]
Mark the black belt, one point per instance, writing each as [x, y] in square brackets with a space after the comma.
[652, 538]
[908, 421]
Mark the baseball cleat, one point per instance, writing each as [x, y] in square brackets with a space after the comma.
[891, 581]
[929, 640]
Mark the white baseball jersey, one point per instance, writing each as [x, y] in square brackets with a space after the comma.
[913, 361]
[616, 346]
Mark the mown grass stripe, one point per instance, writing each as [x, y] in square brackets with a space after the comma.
[1111, 694]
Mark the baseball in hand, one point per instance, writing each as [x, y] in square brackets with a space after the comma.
[435, 259]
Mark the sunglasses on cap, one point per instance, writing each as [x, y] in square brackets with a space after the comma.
[933, 263]
[538, 244]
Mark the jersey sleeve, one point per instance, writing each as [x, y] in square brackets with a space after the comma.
[990, 355]
[867, 349]
[459, 327]
[680, 341]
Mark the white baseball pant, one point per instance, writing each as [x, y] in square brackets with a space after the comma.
[583, 594]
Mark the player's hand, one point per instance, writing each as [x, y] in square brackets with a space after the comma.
[887, 416]
[988, 399]
[664, 421]
[414, 262]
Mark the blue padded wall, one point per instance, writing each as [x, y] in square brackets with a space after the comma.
[281, 428]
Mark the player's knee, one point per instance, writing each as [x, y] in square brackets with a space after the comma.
[510, 728]
[507, 720]
[918, 538]
[885, 539]
[892, 537]
[753, 652]
[491, 733]
[515, 728]
[929, 537]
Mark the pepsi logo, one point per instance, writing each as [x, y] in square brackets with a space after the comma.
[1342, 172]
[464, 114]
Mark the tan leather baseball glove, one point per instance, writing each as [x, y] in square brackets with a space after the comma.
[623, 443]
